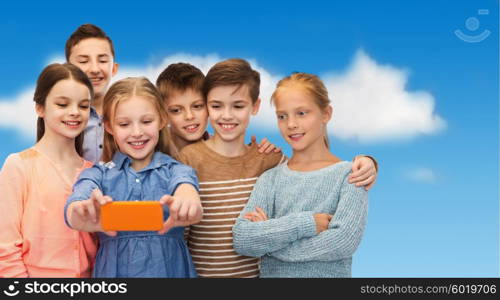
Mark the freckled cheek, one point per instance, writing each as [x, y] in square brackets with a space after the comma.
[201, 116]
[107, 68]
[214, 115]
[244, 117]
[120, 136]
[282, 128]
[176, 122]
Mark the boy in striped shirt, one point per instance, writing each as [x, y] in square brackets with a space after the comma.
[227, 169]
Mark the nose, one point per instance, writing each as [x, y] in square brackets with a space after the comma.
[227, 114]
[93, 67]
[188, 115]
[136, 130]
[292, 123]
[74, 110]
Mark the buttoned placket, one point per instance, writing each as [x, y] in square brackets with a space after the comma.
[136, 186]
[99, 140]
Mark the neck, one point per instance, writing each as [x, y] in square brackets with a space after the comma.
[315, 152]
[97, 103]
[58, 148]
[139, 164]
[180, 142]
[232, 148]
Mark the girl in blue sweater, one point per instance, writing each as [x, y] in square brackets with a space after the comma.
[303, 217]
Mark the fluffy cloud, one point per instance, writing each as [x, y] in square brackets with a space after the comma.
[370, 100]
[19, 114]
[371, 103]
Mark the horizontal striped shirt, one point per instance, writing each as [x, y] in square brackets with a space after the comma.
[225, 187]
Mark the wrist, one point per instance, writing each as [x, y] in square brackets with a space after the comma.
[370, 157]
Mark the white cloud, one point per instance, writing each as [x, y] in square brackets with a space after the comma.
[422, 175]
[371, 103]
[370, 100]
[19, 114]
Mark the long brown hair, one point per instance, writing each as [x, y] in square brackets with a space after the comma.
[123, 90]
[313, 85]
[51, 75]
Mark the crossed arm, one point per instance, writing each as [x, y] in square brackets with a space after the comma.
[304, 236]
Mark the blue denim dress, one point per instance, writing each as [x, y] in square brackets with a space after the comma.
[138, 253]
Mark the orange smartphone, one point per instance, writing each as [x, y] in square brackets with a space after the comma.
[132, 216]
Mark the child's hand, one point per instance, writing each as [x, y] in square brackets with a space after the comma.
[364, 172]
[265, 146]
[183, 211]
[322, 221]
[85, 215]
[257, 215]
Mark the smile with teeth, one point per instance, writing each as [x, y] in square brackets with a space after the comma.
[226, 126]
[96, 80]
[191, 128]
[72, 124]
[138, 144]
[296, 136]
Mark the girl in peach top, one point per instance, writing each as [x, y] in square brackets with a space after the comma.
[34, 184]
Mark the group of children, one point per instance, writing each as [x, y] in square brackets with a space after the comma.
[231, 209]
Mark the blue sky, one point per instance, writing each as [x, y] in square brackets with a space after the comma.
[435, 209]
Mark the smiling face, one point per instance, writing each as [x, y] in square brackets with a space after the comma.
[229, 110]
[135, 127]
[94, 57]
[300, 120]
[187, 115]
[66, 110]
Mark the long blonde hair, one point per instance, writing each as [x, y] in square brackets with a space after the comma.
[313, 85]
[123, 90]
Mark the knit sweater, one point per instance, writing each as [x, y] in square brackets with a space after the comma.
[288, 243]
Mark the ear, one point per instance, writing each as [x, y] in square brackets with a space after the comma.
[327, 114]
[108, 128]
[256, 106]
[163, 123]
[40, 110]
[116, 66]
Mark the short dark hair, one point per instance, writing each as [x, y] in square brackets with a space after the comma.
[234, 71]
[83, 32]
[179, 77]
